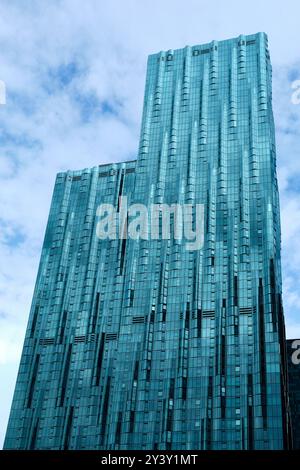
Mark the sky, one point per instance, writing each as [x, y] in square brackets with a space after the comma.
[74, 73]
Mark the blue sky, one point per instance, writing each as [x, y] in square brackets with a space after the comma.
[74, 73]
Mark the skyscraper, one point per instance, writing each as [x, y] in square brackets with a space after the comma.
[143, 343]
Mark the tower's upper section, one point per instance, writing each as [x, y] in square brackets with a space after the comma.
[219, 74]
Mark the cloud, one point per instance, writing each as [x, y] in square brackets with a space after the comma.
[74, 73]
[287, 119]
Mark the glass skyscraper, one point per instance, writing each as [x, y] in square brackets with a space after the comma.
[143, 344]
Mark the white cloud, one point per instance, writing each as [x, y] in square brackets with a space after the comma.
[44, 127]
[10, 350]
[292, 330]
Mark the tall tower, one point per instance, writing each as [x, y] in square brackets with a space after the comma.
[144, 344]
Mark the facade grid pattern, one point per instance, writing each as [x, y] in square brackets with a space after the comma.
[142, 344]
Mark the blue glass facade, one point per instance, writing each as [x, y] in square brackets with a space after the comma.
[143, 344]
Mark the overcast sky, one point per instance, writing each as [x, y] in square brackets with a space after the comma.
[75, 72]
